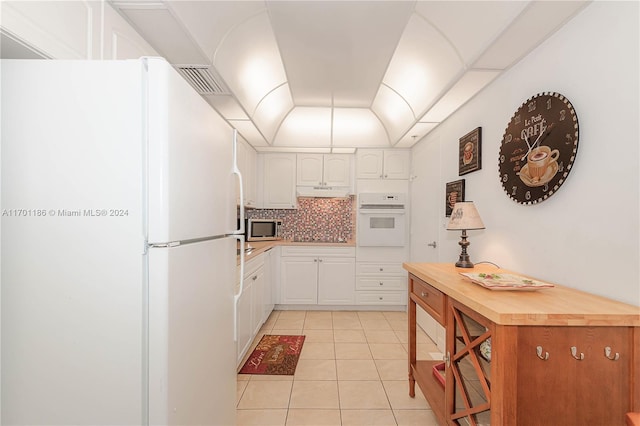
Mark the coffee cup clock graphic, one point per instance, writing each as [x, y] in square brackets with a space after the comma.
[539, 147]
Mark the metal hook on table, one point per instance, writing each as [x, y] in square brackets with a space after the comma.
[607, 353]
[539, 353]
[574, 353]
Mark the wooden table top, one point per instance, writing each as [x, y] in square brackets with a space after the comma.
[557, 306]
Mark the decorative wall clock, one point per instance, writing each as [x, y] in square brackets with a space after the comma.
[538, 148]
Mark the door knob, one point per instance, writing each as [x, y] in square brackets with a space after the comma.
[433, 244]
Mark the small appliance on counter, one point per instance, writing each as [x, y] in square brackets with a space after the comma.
[263, 229]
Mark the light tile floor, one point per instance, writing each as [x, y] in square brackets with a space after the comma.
[352, 371]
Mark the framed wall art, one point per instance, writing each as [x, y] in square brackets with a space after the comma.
[454, 192]
[470, 156]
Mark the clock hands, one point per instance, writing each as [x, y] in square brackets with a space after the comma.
[532, 146]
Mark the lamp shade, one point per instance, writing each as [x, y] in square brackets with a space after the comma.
[465, 216]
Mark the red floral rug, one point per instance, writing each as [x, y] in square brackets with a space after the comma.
[277, 355]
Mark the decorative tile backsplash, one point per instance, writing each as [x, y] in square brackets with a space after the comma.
[315, 219]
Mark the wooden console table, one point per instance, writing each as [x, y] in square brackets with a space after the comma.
[554, 356]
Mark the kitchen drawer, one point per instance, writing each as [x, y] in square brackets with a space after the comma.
[381, 298]
[433, 300]
[380, 283]
[364, 268]
[251, 266]
[319, 251]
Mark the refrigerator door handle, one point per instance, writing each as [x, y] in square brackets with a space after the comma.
[240, 238]
[236, 171]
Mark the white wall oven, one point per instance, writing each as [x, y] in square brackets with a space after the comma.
[381, 219]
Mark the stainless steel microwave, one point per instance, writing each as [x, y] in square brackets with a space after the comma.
[263, 229]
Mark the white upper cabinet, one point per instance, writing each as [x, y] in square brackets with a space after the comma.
[279, 181]
[121, 41]
[337, 170]
[248, 164]
[383, 164]
[310, 169]
[324, 170]
[73, 30]
[396, 164]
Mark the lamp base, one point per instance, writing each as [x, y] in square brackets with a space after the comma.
[463, 261]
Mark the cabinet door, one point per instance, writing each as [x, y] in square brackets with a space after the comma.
[257, 297]
[396, 164]
[337, 170]
[267, 294]
[247, 163]
[279, 181]
[369, 164]
[299, 280]
[121, 41]
[243, 322]
[309, 170]
[336, 281]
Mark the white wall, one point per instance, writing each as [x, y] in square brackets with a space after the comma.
[585, 236]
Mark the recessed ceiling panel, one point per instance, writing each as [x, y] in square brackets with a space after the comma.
[417, 132]
[249, 61]
[305, 127]
[272, 110]
[534, 25]
[470, 26]
[227, 106]
[337, 49]
[358, 127]
[210, 21]
[393, 111]
[466, 88]
[249, 132]
[424, 64]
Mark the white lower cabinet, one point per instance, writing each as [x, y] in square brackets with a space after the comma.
[318, 275]
[253, 306]
[243, 322]
[268, 300]
[381, 283]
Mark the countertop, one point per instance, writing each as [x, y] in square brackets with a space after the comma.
[558, 306]
[262, 246]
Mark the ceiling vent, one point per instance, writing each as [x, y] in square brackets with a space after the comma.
[203, 80]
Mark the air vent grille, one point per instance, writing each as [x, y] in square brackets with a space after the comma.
[203, 80]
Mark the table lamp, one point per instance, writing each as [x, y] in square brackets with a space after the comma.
[464, 217]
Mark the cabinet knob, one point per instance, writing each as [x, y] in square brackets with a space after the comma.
[381, 283]
[319, 260]
[423, 294]
[380, 297]
[315, 260]
[386, 176]
[381, 269]
[255, 277]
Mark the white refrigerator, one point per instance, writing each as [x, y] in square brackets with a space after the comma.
[118, 253]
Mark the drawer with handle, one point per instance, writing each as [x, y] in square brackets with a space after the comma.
[430, 298]
[381, 283]
[381, 298]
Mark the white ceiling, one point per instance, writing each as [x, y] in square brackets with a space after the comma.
[332, 76]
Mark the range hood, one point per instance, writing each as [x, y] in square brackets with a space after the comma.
[323, 191]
